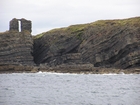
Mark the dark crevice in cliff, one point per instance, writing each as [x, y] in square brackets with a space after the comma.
[104, 43]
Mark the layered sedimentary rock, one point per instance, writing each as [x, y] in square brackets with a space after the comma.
[89, 47]
[57, 47]
[114, 43]
[16, 47]
[105, 43]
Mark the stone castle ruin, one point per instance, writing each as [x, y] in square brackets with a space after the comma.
[17, 44]
[20, 24]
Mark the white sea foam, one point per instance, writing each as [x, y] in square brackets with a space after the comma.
[39, 72]
[55, 73]
[110, 74]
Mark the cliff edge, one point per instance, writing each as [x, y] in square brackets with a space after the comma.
[16, 47]
[104, 43]
[101, 46]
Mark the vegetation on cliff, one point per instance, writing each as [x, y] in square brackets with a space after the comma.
[100, 23]
[104, 43]
[93, 47]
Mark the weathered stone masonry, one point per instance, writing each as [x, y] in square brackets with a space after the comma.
[25, 25]
[14, 25]
[17, 47]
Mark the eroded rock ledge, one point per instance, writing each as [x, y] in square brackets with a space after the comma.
[65, 68]
[100, 47]
[105, 43]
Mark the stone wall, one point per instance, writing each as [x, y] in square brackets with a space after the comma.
[14, 26]
[26, 25]
[17, 47]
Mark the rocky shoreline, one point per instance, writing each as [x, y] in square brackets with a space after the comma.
[104, 46]
[78, 69]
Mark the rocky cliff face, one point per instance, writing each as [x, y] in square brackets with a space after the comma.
[57, 47]
[113, 43]
[105, 43]
[101, 44]
[16, 47]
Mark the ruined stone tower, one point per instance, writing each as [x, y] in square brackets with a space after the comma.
[26, 25]
[17, 47]
[14, 25]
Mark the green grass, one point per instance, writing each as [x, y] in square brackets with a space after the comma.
[78, 30]
[39, 35]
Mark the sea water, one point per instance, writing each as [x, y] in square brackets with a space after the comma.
[69, 89]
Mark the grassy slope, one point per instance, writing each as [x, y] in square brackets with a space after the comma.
[78, 29]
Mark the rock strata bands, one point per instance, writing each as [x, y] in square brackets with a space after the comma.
[100, 47]
[105, 43]
[16, 48]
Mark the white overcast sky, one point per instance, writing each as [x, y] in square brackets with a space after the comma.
[49, 14]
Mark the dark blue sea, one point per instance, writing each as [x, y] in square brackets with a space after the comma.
[69, 89]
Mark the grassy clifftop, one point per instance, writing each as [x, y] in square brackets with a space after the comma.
[79, 28]
[104, 43]
[83, 47]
